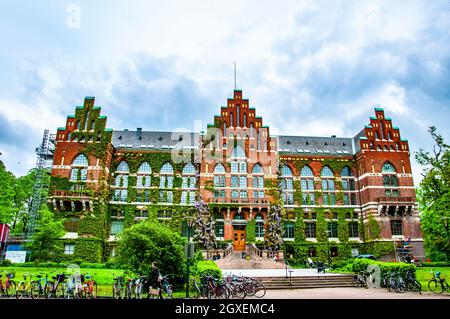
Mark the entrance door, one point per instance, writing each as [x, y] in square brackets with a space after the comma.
[239, 240]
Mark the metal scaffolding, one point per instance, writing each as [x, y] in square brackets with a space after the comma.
[44, 162]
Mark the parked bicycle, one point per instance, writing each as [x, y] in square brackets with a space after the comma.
[119, 287]
[25, 287]
[438, 284]
[89, 287]
[57, 287]
[9, 287]
[167, 288]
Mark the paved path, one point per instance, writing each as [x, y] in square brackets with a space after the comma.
[275, 272]
[348, 293]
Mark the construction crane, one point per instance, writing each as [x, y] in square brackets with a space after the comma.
[44, 161]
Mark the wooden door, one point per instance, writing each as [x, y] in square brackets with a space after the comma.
[239, 240]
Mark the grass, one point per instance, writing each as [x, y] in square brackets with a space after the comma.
[424, 274]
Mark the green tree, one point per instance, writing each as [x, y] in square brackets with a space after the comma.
[434, 196]
[23, 188]
[7, 181]
[45, 243]
[204, 225]
[149, 241]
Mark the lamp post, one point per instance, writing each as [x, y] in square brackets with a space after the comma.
[446, 226]
[189, 224]
[328, 247]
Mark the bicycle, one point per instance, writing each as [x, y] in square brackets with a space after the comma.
[438, 284]
[167, 288]
[74, 287]
[25, 288]
[39, 288]
[89, 287]
[139, 286]
[118, 288]
[9, 288]
[412, 284]
[57, 287]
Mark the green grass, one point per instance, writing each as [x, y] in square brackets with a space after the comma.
[424, 275]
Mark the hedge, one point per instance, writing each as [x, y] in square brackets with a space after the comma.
[385, 267]
[208, 267]
[50, 264]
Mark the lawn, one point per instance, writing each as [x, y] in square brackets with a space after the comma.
[424, 274]
[103, 277]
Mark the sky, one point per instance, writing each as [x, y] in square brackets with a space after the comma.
[313, 68]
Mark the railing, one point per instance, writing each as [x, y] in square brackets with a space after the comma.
[255, 250]
[396, 199]
[228, 251]
[234, 200]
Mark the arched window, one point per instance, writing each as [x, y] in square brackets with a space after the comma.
[231, 119]
[286, 171]
[389, 136]
[224, 129]
[257, 169]
[166, 183]
[80, 160]
[376, 135]
[188, 184]
[144, 180]
[144, 168]
[388, 168]
[79, 168]
[245, 120]
[306, 171]
[379, 148]
[346, 172]
[123, 167]
[392, 149]
[219, 169]
[327, 172]
[287, 185]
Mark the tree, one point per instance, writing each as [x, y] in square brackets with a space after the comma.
[147, 242]
[23, 188]
[434, 196]
[7, 181]
[274, 228]
[45, 243]
[204, 225]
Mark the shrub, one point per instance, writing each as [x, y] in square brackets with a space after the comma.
[385, 267]
[5, 263]
[207, 267]
[342, 264]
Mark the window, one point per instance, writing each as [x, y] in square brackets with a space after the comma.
[287, 185]
[69, 249]
[184, 230]
[396, 228]
[239, 216]
[258, 182]
[390, 181]
[116, 227]
[144, 168]
[310, 230]
[288, 230]
[123, 167]
[312, 252]
[259, 229]
[219, 229]
[245, 120]
[327, 172]
[189, 169]
[257, 169]
[306, 171]
[80, 160]
[355, 252]
[166, 169]
[332, 230]
[286, 171]
[219, 169]
[219, 181]
[353, 230]
[346, 172]
[333, 251]
[388, 168]
[238, 115]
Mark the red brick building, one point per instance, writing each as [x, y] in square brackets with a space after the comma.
[341, 196]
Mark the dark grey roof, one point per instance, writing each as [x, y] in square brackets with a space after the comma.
[356, 139]
[308, 145]
[149, 140]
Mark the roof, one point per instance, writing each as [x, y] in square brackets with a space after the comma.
[360, 135]
[149, 140]
[315, 145]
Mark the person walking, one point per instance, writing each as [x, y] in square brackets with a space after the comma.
[155, 279]
[310, 262]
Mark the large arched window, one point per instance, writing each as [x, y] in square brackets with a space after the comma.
[258, 182]
[348, 186]
[219, 181]
[328, 196]
[239, 174]
[121, 182]
[390, 180]
[166, 184]
[188, 184]
[79, 168]
[143, 182]
[287, 185]
[307, 185]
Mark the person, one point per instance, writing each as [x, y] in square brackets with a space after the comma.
[155, 279]
[310, 262]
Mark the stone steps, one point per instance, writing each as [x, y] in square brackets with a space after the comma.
[304, 282]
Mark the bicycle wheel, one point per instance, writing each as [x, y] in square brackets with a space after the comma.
[21, 291]
[260, 290]
[60, 291]
[239, 291]
[435, 286]
[11, 289]
[93, 290]
[417, 286]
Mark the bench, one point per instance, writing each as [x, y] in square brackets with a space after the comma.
[320, 267]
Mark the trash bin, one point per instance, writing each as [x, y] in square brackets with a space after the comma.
[244, 254]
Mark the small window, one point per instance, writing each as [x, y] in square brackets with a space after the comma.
[116, 227]
[69, 249]
[288, 230]
[396, 228]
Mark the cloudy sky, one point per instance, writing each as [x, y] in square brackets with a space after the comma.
[309, 67]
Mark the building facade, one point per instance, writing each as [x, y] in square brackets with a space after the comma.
[341, 196]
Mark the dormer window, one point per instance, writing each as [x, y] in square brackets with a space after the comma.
[180, 138]
[288, 142]
[307, 143]
[325, 143]
[120, 137]
[160, 138]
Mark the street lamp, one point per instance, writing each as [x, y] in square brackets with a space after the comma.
[446, 226]
[189, 224]
[328, 247]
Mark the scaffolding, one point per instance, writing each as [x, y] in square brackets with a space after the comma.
[44, 162]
